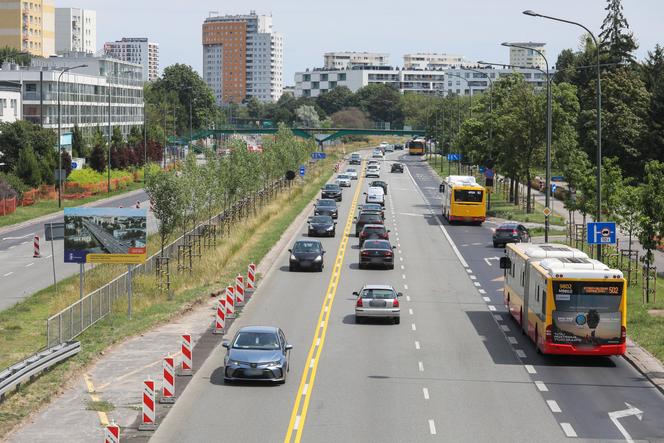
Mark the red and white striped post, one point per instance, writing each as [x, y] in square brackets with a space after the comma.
[230, 302]
[168, 384]
[112, 433]
[148, 416]
[251, 278]
[220, 320]
[239, 290]
[35, 242]
[187, 365]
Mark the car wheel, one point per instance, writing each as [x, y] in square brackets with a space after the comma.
[397, 320]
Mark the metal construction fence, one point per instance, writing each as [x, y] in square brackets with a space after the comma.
[79, 316]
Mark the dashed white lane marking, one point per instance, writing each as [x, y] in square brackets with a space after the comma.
[12, 247]
[403, 276]
[318, 342]
[410, 311]
[417, 345]
[568, 430]
[402, 267]
[481, 291]
[498, 317]
[406, 288]
[412, 326]
[478, 284]
[477, 244]
[420, 366]
[530, 369]
[29, 264]
[304, 390]
[470, 271]
[401, 258]
[541, 386]
[297, 422]
[432, 427]
[49, 256]
[505, 328]
[399, 246]
[408, 296]
[9, 273]
[486, 298]
[520, 353]
[322, 324]
[425, 392]
[25, 242]
[512, 340]
[553, 405]
[492, 308]
[472, 277]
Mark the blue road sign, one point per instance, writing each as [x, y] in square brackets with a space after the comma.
[74, 165]
[488, 173]
[603, 233]
[318, 155]
[302, 171]
[453, 157]
[553, 188]
[482, 169]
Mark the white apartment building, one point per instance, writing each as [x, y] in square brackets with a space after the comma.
[84, 92]
[428, 82]
[528, 57]
[136, 50]
[10, 102]
[243, 57]
[349, 59]
[75, 30]
[432, 61]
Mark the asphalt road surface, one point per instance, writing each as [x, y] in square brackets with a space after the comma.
[455, 369]
[21, 275]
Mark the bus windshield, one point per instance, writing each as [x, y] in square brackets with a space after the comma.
[468, 196]
[584, 296]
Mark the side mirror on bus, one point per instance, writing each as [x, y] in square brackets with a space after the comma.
[505, 263]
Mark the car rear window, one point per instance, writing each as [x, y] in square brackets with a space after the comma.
[326, 202]
[378, 294]
[370, 218]
[379, 229]
[373, 244]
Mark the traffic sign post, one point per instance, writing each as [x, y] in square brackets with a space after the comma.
[603, 233]
[546, 212]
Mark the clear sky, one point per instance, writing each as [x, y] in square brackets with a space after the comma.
[473, 29]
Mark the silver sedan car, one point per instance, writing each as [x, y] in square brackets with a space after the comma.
[377, 301]
[257, 353]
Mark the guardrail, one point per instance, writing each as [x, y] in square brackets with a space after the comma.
[27, 369]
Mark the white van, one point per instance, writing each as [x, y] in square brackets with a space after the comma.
[375, 194]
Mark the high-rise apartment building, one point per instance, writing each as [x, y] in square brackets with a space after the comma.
[137, 50]
[28, 26]
[75, 30]
[242, 57]
[431, 61]
[528, 57]
[350, 59]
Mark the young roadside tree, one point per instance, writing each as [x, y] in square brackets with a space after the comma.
[652, 209]
[98, 158]
[78, 148]
[27, 167]
[166, 202]
[628, 212]
[307, 116]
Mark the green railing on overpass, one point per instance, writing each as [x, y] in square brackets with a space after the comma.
[332, 133]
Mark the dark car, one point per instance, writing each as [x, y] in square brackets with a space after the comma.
[306, 254]
[367, 218]
[377, 253]
[398, 146]
[376, 207]
[333, 191]
[510, 233]
[396, 167]
[355, 159]
[322, 225]
[326, 206]
[374, 232]
[380, 184]
[257, 353]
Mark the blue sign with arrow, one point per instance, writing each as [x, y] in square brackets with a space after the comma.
[453, 157]
[318, 155]
[603, 233]
[302, 171]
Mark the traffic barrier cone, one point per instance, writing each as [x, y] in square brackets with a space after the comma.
[251, 278]
[230, 302]
[186, 367]
[112, 433]
[168, 385]
[220, 320]
[239, 290]
[148, 416]
[35, 242]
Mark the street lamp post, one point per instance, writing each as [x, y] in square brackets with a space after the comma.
[57, 87]
[547, 181]
[470, 89]
[598, 122]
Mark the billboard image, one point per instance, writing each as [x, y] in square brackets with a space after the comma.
[105, 235]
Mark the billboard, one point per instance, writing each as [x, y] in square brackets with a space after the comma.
[105, 235]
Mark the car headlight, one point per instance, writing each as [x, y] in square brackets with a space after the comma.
[233, 363]
[292, 257]
[319, 258]
[274, 363]
[329, 228]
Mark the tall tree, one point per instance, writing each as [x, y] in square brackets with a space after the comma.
[78, 147]
[12, 55]
[382, 102]
[653, 77]
[335, 99]
[617, 42]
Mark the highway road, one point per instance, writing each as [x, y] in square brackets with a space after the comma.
[21, 275]
[453, 370]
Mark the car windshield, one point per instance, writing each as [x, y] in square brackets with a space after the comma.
[321, 219]
[256, 340]
[373, 244]
[381, 294]
[351, 170]
[331, 187]
[306, 246]
[370, 218]
[343, 177]
[326, 202]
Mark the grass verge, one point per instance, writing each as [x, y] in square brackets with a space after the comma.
[22, 327]
[44, 207]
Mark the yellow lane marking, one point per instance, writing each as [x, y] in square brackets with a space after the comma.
[301, 405]
[103, 418]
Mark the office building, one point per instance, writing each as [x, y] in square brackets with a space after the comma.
[528, 57]
[242, 57]
[75, 30]
[84, 92]
[28, 26]
[432, 61]
[137, 50]
[10, 102]
[349, 60]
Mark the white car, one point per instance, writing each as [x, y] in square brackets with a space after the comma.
[372, 171]
[383, 145]
[352, 173]
[377, 301]
[389, 148]
[377, 154]
[343, 180]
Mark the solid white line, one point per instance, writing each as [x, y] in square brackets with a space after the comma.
[410, 311]
[553, 405]
[492, 308]
[541, 386]
[9, 273]
[420, 366]
[481, 291]
[568, 430]
[417, 345]
[432, 427]
[486, 299]
[512, 340]
[412, 326]
[29, 264]
[531, 369]
[505, 328]
[520, 353]
[425, 392]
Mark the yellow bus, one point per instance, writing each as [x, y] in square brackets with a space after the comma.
[416, 146]
[464, 200]
[566, 302]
